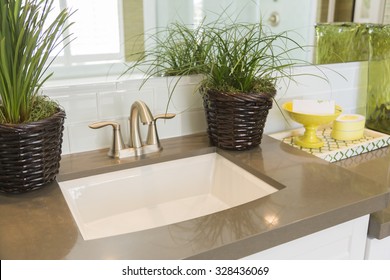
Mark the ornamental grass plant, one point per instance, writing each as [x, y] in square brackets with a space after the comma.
[246, 58]
[29, 43]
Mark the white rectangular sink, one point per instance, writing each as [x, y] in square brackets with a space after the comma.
[159, 194]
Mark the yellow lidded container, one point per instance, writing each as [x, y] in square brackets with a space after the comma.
[348, 127]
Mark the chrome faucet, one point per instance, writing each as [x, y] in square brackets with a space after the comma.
[139, 111]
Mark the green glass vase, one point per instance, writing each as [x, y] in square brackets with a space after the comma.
[341, 42]
[378, 91]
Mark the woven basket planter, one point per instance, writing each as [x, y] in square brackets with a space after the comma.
[236, 120]
[30, 154]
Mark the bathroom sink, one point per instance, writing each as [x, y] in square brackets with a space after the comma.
[159, 194]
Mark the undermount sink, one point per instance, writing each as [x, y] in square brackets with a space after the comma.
[159, 194]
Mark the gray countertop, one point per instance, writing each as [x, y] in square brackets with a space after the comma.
[316, 195]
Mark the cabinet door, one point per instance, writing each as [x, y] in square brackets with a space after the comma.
[341, 242]
[378, 249]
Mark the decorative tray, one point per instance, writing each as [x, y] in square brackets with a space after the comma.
[335, 150]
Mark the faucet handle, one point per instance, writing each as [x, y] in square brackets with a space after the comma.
[165, 116]
[152, 138]
[117, 141]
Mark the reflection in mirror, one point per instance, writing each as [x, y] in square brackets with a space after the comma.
[280, 15]
[298, 16]
[336, 11]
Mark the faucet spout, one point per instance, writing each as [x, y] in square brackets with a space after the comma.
[139, 110]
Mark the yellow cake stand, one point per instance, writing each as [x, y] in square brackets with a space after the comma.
[311, 123]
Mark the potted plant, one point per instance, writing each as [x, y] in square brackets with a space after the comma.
[240, 64]
[31, 125]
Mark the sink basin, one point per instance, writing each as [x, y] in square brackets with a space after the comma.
[159, 194]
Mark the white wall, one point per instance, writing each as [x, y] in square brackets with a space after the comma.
[87, 101]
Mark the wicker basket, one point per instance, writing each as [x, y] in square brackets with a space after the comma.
[236, 120]
[30, 154]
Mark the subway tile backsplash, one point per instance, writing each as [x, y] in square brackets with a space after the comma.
[87, 102]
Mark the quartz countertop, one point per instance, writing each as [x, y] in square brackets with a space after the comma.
[316, 195]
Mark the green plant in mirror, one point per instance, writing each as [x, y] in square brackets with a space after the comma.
[176, 50]
[378, 92]
[29, 42]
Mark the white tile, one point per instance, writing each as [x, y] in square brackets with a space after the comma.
[169, 128]
[186, 97]
[79, 107]
[180, 95]
[75, 86]
[117, 104]
[130, 84]
[323, 79]
[193, 122]
[82, 138]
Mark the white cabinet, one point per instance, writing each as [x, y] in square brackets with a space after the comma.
[378, 249]
[346, 241]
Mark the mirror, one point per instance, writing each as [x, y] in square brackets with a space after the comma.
[299, 17]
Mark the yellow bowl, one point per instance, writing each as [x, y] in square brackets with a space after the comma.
[311, 123]
[310, 119]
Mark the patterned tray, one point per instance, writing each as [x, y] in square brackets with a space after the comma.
[335, 150]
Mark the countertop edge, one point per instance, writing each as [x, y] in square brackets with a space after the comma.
[299, 229]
